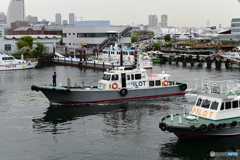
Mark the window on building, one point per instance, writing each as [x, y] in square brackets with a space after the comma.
[69, 43]
[69, 33]
[64, 35]
[7, 47]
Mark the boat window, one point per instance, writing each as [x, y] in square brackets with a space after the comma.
[106, 77]
[114, 77]
[128, 77]
[214, 105]
[228, 105]
[151, 83]
[137, 76]
[112, 52]
[7, 58]
[199, 101]
[222, 106]
[158, 83]
[132, 76]
[235, 104]
[206, 103]
[118, 52]
[125, 53]
[131, 53]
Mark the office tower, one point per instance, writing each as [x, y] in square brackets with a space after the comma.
[164, 20]
[16, 11]
[152, 21]
[71, 18]
[3, 18]
[31, 19]
[58, 18]
[65, 22]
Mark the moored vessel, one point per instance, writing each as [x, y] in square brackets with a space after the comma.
[215, 112]
[117, 84]
[8, 62]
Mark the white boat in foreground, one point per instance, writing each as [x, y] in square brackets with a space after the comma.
[8, 62]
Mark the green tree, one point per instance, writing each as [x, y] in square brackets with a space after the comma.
[167, 38]
[28, 40]
[39, 50]
[133, 39]
[156, 46]
[22, 43]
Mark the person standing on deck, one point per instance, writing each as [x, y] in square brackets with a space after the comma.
[54, 76]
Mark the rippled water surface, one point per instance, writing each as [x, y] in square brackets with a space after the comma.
[31, 128]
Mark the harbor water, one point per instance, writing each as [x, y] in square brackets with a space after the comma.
[31, 128]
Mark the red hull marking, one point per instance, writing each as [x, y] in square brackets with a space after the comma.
[148, 68]
[105, 101]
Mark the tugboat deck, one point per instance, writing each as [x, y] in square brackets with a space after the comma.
[196, 122]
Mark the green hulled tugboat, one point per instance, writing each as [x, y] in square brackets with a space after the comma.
[216, 112]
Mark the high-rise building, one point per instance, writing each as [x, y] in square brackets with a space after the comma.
[71, 18]
[152, 21]
[58, 18]
[16, 11]
[65, 22]
[164, 21]
[3, 18]
[31, 19]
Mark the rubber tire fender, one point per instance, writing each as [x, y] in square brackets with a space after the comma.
[163, 126]
[203, 127]
[212, 126]
[183, 86]
[123, 92]
[233, 123]
[192, 128]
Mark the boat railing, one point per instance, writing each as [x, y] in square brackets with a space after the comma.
[80, 84]
[218, 87]
[186, 109]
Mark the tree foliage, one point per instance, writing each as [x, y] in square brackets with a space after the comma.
[157, 46]
[167, 38]
[133, 39]
[22, 43]
[24, 50]
[40, 49]
[25, 41]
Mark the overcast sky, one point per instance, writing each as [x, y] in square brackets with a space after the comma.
[181, 13]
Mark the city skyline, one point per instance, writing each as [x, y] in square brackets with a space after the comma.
[184, 13]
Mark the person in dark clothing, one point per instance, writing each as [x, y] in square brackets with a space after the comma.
[54, 76]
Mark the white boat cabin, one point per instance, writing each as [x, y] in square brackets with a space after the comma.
[6, 59]
[137, 78]
[113, 54]
[218, 100]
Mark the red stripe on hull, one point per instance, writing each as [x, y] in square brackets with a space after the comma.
[115, 100]
[148, 68]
